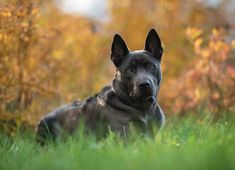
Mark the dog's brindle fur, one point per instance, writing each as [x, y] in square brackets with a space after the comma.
[132, 98]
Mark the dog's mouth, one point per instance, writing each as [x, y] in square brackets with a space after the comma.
[149, 97]
[143, 95]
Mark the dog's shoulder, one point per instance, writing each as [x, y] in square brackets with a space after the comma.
[99, 100]
[105, 94]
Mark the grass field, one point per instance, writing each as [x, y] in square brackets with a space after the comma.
[184, 143]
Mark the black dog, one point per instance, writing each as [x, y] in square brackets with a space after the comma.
[132, 98]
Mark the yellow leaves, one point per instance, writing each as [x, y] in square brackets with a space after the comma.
[5, 13]
[205, 53]
[168, 5]
[197, 43]
[25, 38]
[233, 44]
[58, 55]
[35, 11]
[5, 38]
[212, 75]
[24, 24]
[22, 13]
[200, 92]
[215, 48]
[216, 45]
[215, 32]
[193, 33]
[197, 93]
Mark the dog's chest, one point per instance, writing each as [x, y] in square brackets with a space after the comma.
[119, 119]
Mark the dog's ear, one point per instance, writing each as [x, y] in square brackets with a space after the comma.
[153, 44]
[119, 50]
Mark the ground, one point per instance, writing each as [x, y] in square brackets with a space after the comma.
[195, 142]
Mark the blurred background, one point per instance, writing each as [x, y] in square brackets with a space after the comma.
[55, 51]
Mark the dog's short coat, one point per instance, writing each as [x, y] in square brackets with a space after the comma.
[132, 98]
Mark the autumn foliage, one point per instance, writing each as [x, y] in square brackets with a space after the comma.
[209, 81]
[49, 58]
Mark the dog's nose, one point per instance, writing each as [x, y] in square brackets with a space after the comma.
[144, 85]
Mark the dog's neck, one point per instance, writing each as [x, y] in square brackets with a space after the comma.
[137, 111]
[120, 92]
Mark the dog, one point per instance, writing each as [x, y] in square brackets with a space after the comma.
[131, 99]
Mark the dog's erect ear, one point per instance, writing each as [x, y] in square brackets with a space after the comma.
[119, 50]
[153, 44]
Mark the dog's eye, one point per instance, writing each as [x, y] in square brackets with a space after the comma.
[130, 70]
[150, 67]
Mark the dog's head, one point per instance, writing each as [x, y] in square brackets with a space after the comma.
[138, 73]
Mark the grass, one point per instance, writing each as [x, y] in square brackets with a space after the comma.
[184, 143]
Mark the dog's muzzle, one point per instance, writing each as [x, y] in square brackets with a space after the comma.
[144, 90]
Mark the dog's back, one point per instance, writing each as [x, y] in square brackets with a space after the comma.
[63, 120]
